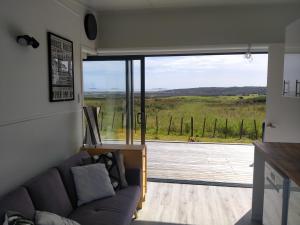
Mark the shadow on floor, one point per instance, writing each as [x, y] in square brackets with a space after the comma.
[152, 223]
[246, 220]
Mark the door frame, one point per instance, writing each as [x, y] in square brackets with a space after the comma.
[142, 58]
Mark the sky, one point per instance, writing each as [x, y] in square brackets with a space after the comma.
[175, 72]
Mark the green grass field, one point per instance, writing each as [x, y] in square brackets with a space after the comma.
[234, 109]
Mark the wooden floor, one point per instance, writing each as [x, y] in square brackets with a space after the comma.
[172, 204]
[204, 162]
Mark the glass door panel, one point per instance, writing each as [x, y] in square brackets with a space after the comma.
[104, 85]
[117, 85]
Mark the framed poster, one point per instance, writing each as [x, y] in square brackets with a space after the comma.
[61, 68]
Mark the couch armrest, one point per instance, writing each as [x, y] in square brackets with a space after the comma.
[133, 176]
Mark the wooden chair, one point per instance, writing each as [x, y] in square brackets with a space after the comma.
[92, 132]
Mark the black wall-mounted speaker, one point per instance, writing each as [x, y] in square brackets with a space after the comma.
[90, 26]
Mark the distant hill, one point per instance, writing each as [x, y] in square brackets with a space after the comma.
[201, 91]
[209, 91]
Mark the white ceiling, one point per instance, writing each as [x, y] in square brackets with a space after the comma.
[116, 5]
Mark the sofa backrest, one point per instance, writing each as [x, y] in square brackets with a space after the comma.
[48, 193]
[19, 201]
[67, 176]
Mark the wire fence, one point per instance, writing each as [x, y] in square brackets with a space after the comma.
[189, 126]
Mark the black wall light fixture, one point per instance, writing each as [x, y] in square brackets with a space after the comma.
[26, 40]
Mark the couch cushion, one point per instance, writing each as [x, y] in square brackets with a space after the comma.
[48, 193]
[131, 192]
[133, 176]
[92, 182]
[101, 217]
[116, 210]
[18, 200]
[67, 176]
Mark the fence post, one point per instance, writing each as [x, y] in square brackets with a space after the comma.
[255, 130]
[170, 125]
[102, 114]
[192, 126]
[156, 122]
[146, 120]
[181, 124]
[113, 120]
[215, 126]
[122, 123]
[226, 126]
[135, 122]
[241, 129]
[204, 124]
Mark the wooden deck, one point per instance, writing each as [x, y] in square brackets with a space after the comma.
[201, 162]
[174, 204]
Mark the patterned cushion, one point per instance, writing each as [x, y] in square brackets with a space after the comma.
[114, 164]
[47, 218]
[15, 218]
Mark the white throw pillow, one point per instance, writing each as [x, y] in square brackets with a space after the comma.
[92, 182]
[12, 218]
[47, 218]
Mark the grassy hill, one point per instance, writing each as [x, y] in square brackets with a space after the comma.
[209, 114]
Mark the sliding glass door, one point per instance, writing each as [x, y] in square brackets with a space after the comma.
[117, 86]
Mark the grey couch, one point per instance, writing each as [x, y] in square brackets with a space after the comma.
[54, 191]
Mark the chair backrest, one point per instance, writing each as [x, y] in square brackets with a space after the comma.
[92, 134]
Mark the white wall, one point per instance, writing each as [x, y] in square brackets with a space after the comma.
[283, 112]
[195, 27]
[34, 133]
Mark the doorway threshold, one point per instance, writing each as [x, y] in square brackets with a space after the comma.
[200, 182]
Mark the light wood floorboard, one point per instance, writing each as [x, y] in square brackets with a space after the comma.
[170, 204]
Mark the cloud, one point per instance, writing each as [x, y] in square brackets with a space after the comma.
[205, 71]
[201, 63]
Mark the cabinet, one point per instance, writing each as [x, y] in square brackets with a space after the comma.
[291, 76]
[294, 205]
[275, 197]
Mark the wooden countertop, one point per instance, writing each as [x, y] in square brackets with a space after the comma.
[284, 156]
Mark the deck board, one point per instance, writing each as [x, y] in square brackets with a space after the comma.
[205, 162]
